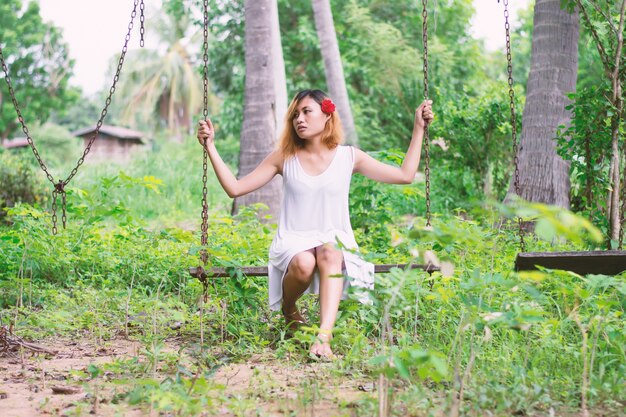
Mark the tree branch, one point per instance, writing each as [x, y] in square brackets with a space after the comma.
[620, 41]
[603, 55]
[607, 17]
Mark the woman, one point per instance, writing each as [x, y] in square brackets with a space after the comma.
[314, 247]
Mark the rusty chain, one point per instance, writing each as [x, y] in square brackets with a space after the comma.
[59, 186]
[509, 58]
[142, 19]
[623, 197]
[204, 255]
[426, 135]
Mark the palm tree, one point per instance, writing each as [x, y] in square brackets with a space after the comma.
[544, 176]
[163, 84]
[258, 134]
[280, 79]
[333, 67]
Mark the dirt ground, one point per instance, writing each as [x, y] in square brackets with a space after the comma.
[57, 385]
[37, 384]
[27, 380]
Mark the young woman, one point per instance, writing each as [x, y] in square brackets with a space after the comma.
[314, 247]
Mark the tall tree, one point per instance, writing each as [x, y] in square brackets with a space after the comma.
[544, 176]
[280, 79]
[38, 62]
[258, 134]
[333, 67]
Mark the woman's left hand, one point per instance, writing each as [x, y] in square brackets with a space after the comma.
[424, 114]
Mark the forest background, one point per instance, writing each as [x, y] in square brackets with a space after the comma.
[480, 338]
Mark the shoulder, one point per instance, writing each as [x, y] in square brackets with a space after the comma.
[350, 150]
[357, 153]
[276, 159]
[363, 161]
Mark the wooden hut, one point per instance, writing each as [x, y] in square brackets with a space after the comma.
[113, 144]
[15, 143]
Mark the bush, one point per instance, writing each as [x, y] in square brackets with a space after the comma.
[19, 182]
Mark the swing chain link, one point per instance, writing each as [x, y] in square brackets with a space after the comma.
[142, 28]
[509, 58]
[20, 118]
[204, 256]
[623, 197]
[426, 135]
[59, 186]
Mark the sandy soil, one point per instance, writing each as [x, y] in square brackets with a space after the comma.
[27, 380]
[261, 386]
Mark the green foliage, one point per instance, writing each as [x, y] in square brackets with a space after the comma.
[227, 65]
[176, 172]
[523, 330]
[84, 112]
[57, 146]
[586, 142]
[515, 340]
[472, 142]
[374, 207]
[39, 65]
[18, 181]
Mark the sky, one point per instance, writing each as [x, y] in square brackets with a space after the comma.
[95, 31]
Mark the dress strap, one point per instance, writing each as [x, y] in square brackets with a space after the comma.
[353, 154]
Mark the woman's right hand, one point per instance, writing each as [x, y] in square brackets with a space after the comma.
[206, 132]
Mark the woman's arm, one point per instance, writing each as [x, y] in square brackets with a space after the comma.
[404, 174]
[256, 179]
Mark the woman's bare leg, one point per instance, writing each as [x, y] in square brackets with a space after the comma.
[329, 262]
[297, 279]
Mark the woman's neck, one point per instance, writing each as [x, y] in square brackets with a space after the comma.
[315, 145]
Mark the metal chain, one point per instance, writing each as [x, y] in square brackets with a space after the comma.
[426, 135]
[54, 212]
[59, 186]
[516, 180]
[204, 256]
[142, 19]
[623, 198]
[7, 78]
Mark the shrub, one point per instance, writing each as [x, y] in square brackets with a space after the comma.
[19, 182]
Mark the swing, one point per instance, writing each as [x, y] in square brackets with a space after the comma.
[59, 185]
[203, 274]
[608, 262]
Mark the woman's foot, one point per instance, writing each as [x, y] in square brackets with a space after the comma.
[321, 347]
[293, 318]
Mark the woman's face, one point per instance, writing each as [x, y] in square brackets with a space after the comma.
[309, 120]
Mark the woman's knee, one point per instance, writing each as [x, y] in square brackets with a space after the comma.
[328, 254]
[302, 266]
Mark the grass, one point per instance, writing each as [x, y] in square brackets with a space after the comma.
[481, 340]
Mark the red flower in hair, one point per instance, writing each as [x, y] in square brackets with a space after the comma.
[328, 106]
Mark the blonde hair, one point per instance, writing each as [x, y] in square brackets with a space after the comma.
[289, 142]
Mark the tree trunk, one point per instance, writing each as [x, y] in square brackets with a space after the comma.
[258, 134]
[333, 68]
[615, 216]
[280, 80]
[544, 176]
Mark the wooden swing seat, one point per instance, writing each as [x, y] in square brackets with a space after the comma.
[607, 262]
[261, 271]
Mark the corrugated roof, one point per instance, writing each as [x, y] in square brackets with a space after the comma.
[117, 131]
[15, 143]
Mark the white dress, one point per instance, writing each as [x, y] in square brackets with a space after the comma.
[315, 211]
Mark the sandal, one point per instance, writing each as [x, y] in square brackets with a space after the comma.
[324, 351]
[293, 320]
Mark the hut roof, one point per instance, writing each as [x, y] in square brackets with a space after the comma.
[15, 143]
[115, 131]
